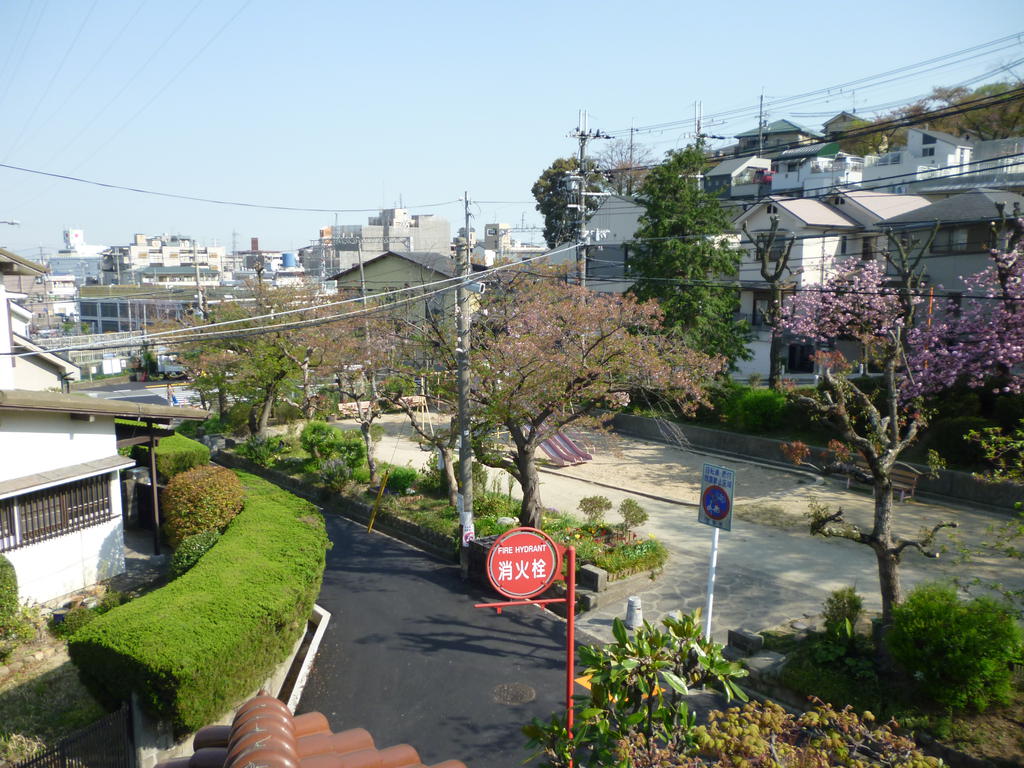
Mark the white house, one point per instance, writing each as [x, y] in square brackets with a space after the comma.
[824, 232]
[802, 171]
[928, 155]
[60, 491]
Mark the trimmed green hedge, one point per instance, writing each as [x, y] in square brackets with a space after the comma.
[174, 455]
[196, 647]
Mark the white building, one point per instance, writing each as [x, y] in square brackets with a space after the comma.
[120, 262]
[927, 156]
[816, 168]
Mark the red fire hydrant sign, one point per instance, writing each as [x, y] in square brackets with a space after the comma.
[523, 562]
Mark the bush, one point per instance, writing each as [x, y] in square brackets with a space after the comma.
[320, 440]
[190, 550]
[202, 499]
[1008, 411]
[757, 410]
[841, 608]
[958, 653]
[336, 475]
[8, 593]
[490, 504]
[594, 507]
[194, 648]
[633, 515]
[11, 622]
[73, 621]
[401, 479]
[174, 455]
[645, 555]
[434, 481]
[260, 450]
[949, 438]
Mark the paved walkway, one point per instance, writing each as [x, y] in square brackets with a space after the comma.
[770, 570]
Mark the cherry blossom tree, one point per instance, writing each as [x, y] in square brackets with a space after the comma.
[859, 303]
[547, 355]
[969, 343]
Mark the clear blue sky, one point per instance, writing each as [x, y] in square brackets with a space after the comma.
[325, 104]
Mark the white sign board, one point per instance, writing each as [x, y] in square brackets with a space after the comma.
[716, 487]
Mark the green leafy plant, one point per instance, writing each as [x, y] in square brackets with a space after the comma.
[401, 479]
[73, 620]
[757, 410]
[260, 450]
[957, 652]
[202, 499]
[14, 629]
[633, 515]
[638, 686]
[842, 609]
[190, 550]
[633, 557]
[336, 475]
[321, 441]
[594, 508]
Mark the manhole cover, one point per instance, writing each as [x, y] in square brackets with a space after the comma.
[513, 693]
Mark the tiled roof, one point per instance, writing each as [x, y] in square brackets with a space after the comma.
[814, 213]
[265, 734]
[778, 126]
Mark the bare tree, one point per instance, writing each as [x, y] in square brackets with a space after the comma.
[624, 165]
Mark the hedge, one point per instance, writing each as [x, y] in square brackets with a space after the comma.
[203, 499]
[174, 455]
[194, 648]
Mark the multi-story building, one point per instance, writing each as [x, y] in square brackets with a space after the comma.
[341, 246]
[122, 262]
[77, 258]
[928, 155]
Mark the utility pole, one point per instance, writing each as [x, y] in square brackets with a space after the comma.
[760, 125]
[200, 293]
[462, 316]
[583, 134]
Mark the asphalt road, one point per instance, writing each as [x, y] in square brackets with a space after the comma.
[409, 658]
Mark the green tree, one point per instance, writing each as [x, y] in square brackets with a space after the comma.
[680, 257]
[556, 190]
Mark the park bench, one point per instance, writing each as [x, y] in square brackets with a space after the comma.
[904, 477]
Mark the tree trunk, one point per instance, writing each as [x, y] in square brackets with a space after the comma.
[775, 366]
[265, 410]
[888, 561]
[222, 401]
[530, 512]
[371, 462]
[449, 475]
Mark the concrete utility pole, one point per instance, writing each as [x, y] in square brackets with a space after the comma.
[463, 319]
[583, 135]
[760, 125]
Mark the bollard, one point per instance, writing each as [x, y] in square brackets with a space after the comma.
[634, 612]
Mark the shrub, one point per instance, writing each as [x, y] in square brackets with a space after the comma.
[958, 653]
[320, 440]
[8, 593]
[842, 608]
[490, 504]
[73, 621]
[174, 455]
[949, 438]
[633, 515]
[13, 628]
[757, 410]
[434, 481]
[401, 479]
[260, 450]
[336, 475]
[594, 507]
[202, 499]
[190, 550]
[645, 555]
[194, 648]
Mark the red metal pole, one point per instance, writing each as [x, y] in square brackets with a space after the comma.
[570, 639]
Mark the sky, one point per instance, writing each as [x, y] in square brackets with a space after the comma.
[342, 106]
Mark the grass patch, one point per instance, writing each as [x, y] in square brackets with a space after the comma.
[36, 713]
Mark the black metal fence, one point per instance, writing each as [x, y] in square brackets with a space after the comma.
[107, 743]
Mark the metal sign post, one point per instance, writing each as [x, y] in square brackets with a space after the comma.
[716, 491]
[523, 563]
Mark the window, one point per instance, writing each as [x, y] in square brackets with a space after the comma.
[842, 245]
[54, 512]
[109, 310]
[927, 138]
[928, 152]
[801, 358]
[792, 167]
[867, 248]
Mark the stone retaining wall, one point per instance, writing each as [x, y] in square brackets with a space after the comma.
[950, 484]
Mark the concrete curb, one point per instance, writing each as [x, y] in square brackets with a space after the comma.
[322, 618]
